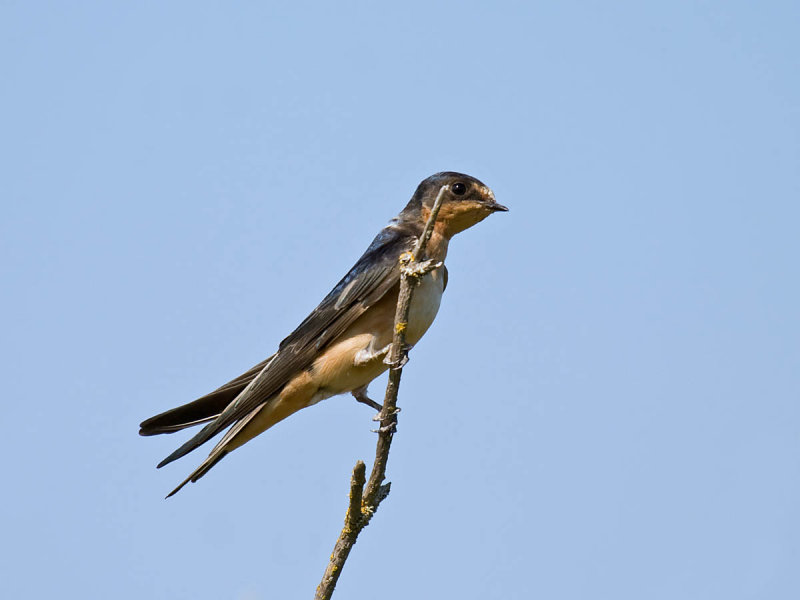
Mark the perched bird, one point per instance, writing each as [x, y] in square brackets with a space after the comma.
[340, 347]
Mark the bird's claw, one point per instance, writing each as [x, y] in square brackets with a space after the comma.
[390, 427]
[400, 363]
[377, 417]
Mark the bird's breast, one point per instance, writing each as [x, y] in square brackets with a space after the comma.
[425, 304]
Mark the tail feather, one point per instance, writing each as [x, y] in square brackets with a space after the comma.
[201, 410]
[217, 454]
[204, 468]
[198, 411]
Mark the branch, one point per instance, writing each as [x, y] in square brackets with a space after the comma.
[365, 501]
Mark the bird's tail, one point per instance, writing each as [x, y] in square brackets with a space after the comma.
[201, 410]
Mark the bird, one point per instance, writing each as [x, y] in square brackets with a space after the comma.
[342, 345]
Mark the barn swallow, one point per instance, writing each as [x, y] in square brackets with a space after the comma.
[341, 346]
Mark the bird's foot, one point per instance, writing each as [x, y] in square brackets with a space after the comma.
[377, 417]
[400, 363]
[418, 269]
[361, 396]
[390, 427]
[367, 355]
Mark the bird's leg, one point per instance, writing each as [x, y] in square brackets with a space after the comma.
[367, 355]
[360, 395]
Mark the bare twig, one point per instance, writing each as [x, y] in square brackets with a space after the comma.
[364, 502]
[357, 482]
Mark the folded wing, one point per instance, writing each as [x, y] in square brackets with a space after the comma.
[375, 273]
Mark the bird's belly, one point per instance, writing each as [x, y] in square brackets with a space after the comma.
[337, 371]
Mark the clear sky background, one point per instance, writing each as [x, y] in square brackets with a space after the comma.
[607, 405]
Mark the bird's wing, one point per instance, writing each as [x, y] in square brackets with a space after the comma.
[375, 273]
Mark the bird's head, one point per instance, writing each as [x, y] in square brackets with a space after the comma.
[466, 201]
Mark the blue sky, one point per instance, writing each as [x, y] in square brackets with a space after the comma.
[607, 405]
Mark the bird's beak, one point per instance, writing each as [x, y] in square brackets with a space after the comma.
[491, 203]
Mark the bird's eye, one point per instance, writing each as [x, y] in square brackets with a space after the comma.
[459, 189]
